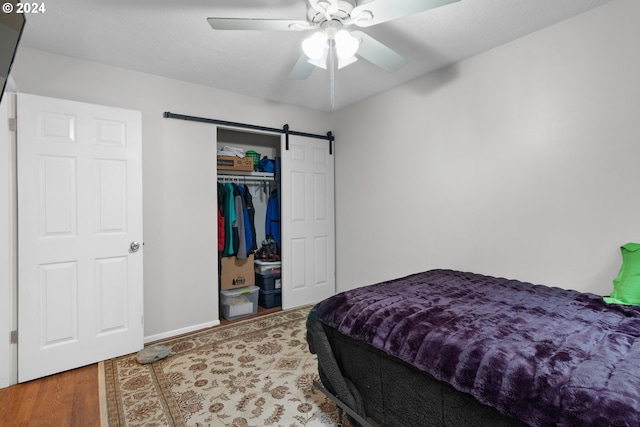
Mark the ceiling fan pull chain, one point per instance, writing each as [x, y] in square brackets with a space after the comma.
[332, 71]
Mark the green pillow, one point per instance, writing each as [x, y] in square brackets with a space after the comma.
[626, 286]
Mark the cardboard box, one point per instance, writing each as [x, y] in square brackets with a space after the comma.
[236, 273]
[233, 163]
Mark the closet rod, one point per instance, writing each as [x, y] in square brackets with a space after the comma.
[329, 136]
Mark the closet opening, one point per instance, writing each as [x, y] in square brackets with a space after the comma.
[249, 258]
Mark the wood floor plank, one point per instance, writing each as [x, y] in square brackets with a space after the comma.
[66, 399]
[86, 401]
[17, 402]
[57, 392]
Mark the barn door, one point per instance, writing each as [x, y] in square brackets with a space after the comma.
[79, 234]
[308, 225]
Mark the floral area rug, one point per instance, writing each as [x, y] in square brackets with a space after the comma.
[258, 372]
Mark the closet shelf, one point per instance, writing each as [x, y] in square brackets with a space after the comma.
[242, 175]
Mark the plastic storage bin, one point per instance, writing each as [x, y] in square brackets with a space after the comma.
[269, 282]
[271, 298]
[267, 267]
[235, 303]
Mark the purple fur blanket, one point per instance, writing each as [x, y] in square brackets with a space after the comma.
[542, 355]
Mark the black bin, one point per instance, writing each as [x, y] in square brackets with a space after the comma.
[268, 282]
[272, 298]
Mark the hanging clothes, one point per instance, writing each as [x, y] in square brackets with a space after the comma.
[272, 220]
[230, 218]
[236, 227]
[248, 198]
[221, 228]
[249, 227]
[241, 248]
[221, 232]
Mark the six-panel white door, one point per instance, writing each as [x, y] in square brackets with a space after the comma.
[80, 210]
[308, 221]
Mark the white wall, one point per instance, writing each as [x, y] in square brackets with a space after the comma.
[521, 162]
[179, 176]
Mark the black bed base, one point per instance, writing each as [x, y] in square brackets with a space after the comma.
[395, 393]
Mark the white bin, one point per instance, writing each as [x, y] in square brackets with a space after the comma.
[235, 303]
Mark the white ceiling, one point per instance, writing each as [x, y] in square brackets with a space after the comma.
[172, 38]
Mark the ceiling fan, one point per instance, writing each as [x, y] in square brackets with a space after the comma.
[331, 43]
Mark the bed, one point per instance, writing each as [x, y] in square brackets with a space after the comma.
[451, 348]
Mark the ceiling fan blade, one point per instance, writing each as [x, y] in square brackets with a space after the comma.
[302, 70]
[377, 53]
[260, 24]
[379, 11]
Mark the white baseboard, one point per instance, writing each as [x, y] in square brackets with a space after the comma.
[182, 331]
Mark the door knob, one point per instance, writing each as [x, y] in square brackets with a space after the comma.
[134, 246]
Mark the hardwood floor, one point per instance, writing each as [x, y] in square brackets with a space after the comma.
[69, 399]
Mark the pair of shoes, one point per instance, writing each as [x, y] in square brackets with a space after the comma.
[269, 250]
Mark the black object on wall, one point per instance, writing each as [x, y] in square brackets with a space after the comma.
[285, 129]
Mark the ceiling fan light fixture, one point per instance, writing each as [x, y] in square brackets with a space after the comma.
[322, 61]
[314, 46]
[346, 44]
